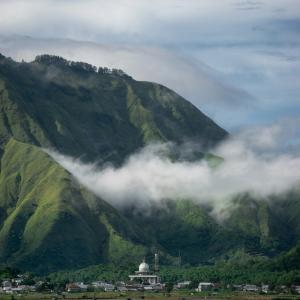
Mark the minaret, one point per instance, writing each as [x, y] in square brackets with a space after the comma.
[156, 268]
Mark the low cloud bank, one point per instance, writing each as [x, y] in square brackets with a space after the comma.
[259, 160]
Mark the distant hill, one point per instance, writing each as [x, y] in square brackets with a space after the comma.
[49, 222]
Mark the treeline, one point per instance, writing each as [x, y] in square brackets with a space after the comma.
[284, 270]
[48, 60]
[109, 273]
[8, 272]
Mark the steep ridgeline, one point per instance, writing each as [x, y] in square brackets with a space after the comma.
[93, 116]
[50, 222]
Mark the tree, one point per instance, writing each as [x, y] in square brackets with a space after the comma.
[258, 284]
[28, 281]
[47, 279]
[140, 280]
[42, 287]
[90, 288]
[193, 284]
[209, 288]
[271, 287]
[169, 286]
[62, 285]
[8, 272]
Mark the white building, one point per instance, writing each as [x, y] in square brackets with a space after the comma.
[6, 283]
[144, 273]
[203, 286]
[265, 288]
[183, 283]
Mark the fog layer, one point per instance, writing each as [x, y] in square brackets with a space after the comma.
[259, 160]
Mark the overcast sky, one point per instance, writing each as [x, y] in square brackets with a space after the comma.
[237, 61]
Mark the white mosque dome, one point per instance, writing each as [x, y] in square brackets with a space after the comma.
[144, 267]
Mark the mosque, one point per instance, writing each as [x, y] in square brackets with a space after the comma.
[144, 273]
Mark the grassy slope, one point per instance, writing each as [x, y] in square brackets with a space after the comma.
[288, 208]
[51, 222]
[183, 226]
[254, 218]
[93, 115]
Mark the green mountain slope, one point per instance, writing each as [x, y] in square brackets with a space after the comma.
[93, 116]
[288, 208]
[50, 222]
[183, 226]
[264, 223]
[252, 230]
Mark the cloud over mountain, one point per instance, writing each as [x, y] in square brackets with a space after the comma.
[256, 162]
[187, 75]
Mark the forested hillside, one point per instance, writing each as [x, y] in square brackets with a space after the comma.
[283, 270]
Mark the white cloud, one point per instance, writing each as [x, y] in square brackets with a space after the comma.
[148, 176]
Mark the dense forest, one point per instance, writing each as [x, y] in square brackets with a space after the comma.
[284, 269]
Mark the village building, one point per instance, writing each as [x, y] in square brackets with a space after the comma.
[6, 283]
[203, 286]
[122, 288]
[250, 288]
[83, 287]
[265, 288]
[72, 287]
[15, 290]
[183, 284]
[109, 288]
[17, 281]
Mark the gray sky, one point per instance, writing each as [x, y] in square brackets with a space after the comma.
[238, 61]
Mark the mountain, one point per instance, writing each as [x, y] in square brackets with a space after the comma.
[94, 116]
[48, 221]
